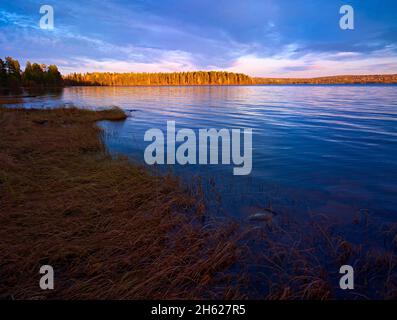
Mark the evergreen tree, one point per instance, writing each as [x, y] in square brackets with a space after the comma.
[34, 75]
[3, 74]
[28, 75]
[13, 70]
[54, 77]
[38, 74]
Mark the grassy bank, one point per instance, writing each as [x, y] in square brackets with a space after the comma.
[108, 228]
[112, 230]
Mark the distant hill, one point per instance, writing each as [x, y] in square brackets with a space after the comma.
[347, 79]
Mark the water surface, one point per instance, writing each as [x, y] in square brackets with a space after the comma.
[316, 149]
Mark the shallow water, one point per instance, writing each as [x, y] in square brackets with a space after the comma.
[316, 149]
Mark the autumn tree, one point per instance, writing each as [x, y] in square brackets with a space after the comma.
[161, 78]
[54, 77]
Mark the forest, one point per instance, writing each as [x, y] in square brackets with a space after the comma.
[34, 75]
[158, 79]
[211, 78]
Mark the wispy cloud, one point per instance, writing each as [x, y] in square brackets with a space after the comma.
[166, 62]
[18, 20]
[316, 64]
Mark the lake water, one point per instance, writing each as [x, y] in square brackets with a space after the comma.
[330, 150]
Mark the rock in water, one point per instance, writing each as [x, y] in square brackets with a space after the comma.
[261, 216]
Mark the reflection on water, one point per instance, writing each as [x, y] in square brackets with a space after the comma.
[29, 97]
[318, 149]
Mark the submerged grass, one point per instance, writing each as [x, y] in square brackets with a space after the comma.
[112, 230]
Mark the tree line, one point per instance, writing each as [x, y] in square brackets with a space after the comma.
[40, 75]
[34, 75]
[209, 78]
[348, 79]
[158, 79]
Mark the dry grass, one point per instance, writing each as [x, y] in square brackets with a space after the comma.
[111, 230]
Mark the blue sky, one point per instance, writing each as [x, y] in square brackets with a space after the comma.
[275, 38]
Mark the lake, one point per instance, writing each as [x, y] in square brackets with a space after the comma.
[328, 150]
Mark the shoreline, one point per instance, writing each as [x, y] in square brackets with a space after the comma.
[111, 230]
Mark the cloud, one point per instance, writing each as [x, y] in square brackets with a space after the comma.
[259, 38]
[167, 61]
[18, 20]
[317, 64]
[82, 52]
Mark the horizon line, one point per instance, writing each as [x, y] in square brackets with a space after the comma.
[242, 73]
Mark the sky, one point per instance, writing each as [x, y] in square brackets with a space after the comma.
[267, 38]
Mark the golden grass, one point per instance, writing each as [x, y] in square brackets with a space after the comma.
[109, 229]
